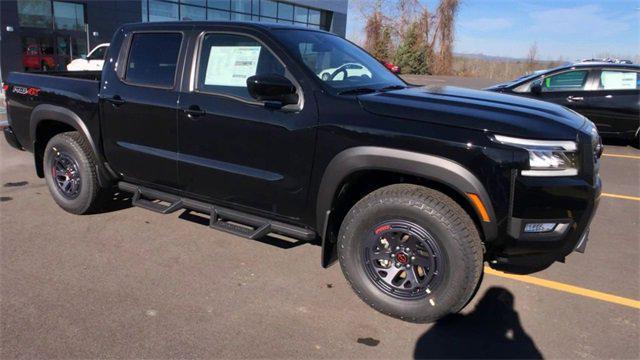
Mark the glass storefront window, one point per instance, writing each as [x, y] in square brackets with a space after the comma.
[240, 17]
[145, 11]
[217, 15]
[285, 11]
[268, 8]
[243, 6]
[195, 2]
[192, 13]
[35, 13]
[314, 16]
[219, 4]
[301, 14]
[271, 11]
[162, 11]
[68, 16]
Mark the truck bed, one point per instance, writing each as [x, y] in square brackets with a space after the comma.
[75, 91]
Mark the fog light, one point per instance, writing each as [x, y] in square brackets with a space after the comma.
[539, 227]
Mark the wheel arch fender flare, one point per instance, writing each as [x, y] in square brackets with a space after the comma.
[426, 166]
[48, 112]
[44, 112]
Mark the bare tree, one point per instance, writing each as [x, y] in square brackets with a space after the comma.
[378, 37]
[444, 35]
[532, 57]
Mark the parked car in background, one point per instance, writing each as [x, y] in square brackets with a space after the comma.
[608, 93]
[344, 71]
[92, 62]
[393, 68]
[38, 57]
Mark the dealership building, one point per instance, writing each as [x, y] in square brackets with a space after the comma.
[48, 34]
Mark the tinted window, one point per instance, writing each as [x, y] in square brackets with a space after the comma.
[618, 80]
[570, 80]
[243, 6]
[153, 58]
[34, 13]
[68, 16]
[162, 11]
[98, 54]
[226, 61]
[268, 8]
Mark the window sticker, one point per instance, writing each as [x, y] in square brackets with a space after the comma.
[618, 80]
[231, 65]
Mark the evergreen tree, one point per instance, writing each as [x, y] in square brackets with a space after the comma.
[411, 54]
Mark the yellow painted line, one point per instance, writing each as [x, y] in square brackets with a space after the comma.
[567, 288]
[622, 156]
[624, 197]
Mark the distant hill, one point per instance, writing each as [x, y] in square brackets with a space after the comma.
[497, 58]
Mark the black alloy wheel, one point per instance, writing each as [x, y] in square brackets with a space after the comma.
[403, 259]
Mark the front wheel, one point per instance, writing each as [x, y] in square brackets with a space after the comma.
[411, 252]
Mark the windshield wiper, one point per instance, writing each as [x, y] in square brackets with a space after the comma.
[393, 87]
[360, 90]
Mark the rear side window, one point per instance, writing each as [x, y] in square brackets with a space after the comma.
[153, 58]
[227, 60]
[570, 80]
[618, 80]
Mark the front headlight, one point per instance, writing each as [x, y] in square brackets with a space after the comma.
[546, 157]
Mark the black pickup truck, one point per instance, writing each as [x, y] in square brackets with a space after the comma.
[412, 189]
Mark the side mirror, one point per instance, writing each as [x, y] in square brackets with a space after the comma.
[272, 88]
[536, 87]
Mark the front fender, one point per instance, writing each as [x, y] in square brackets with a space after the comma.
[429, 167]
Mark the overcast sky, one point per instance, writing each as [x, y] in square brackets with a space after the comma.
[567, 29]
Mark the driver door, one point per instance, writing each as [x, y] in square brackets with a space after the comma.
[234, 150]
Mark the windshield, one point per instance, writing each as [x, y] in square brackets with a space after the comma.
[338, 63]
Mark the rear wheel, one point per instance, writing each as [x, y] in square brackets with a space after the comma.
[70, 173]
[411, 252]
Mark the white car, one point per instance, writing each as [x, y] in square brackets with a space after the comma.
[350, 69]
[91, 62]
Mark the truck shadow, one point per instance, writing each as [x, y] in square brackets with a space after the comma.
[491, 331]
[114, 201]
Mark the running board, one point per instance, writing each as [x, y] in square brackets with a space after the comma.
[223, 219]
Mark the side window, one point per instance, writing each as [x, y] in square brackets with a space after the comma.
[570, 80]
[153, 59]
[228, 60]
[618, 80]
[98, 54]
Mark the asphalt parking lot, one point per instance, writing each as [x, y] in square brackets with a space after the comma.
[132, 283]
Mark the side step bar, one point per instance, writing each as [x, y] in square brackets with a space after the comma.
[223, 219]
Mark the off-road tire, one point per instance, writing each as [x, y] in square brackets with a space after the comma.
[90, 196]
[451, 227]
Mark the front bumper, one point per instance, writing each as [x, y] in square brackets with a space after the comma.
[11, 138]
[570, 203]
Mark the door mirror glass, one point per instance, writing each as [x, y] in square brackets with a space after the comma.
[272, 88]
[536, 87]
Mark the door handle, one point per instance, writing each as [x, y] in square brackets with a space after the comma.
[116, 100]
[194, 111]
[575, 98]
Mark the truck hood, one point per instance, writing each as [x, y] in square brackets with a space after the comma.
[478, 110]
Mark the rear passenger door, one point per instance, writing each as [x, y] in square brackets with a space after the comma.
[139, 108]
[614, 104]
[234, 150]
